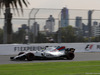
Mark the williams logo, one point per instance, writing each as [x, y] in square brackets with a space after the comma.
[89, 47]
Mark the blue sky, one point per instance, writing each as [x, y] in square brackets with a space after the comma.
[71, 4]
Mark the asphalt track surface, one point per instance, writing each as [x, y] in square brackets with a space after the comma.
[78, 57]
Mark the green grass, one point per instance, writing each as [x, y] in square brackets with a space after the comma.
[52, 68]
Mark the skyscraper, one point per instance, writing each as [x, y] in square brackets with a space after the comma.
[79, 22]
[50, 23]
[90, 21]
[24, 27]
[85, 30]
[64, 17]
[35, 29]
[95, 23]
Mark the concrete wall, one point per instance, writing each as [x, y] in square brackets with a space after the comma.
[11, 49]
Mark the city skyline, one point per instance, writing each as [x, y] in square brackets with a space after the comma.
[72, 13]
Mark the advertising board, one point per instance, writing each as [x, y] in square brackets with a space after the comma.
[12, 49]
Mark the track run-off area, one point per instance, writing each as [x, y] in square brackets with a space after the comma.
[5, 59]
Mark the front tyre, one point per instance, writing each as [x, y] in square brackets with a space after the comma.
[30, 56]
[70, 55]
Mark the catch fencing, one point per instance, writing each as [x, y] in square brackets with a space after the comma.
[36, 25]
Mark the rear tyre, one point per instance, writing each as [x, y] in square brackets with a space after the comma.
[70, 56]
[30, 56]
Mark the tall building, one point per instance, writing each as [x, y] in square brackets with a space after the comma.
[96, 29]
[85, 30]
[24, 27]
[79, 22]
[50, 23]
[35, 29]
[95, 23]
[64, 17]
[90, 22]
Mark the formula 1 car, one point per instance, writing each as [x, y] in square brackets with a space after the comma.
[47, 53]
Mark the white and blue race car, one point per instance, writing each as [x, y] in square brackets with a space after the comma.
[47, 53]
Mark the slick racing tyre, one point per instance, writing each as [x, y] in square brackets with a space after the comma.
[30, 56]
[70, 56]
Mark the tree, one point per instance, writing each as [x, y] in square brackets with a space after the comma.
[7, 4]
[41, 38]
[95, 39]
[67, 34]
[20, 36]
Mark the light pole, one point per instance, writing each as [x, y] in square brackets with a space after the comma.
[59, 28]
[29, 25]
[33, 23]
